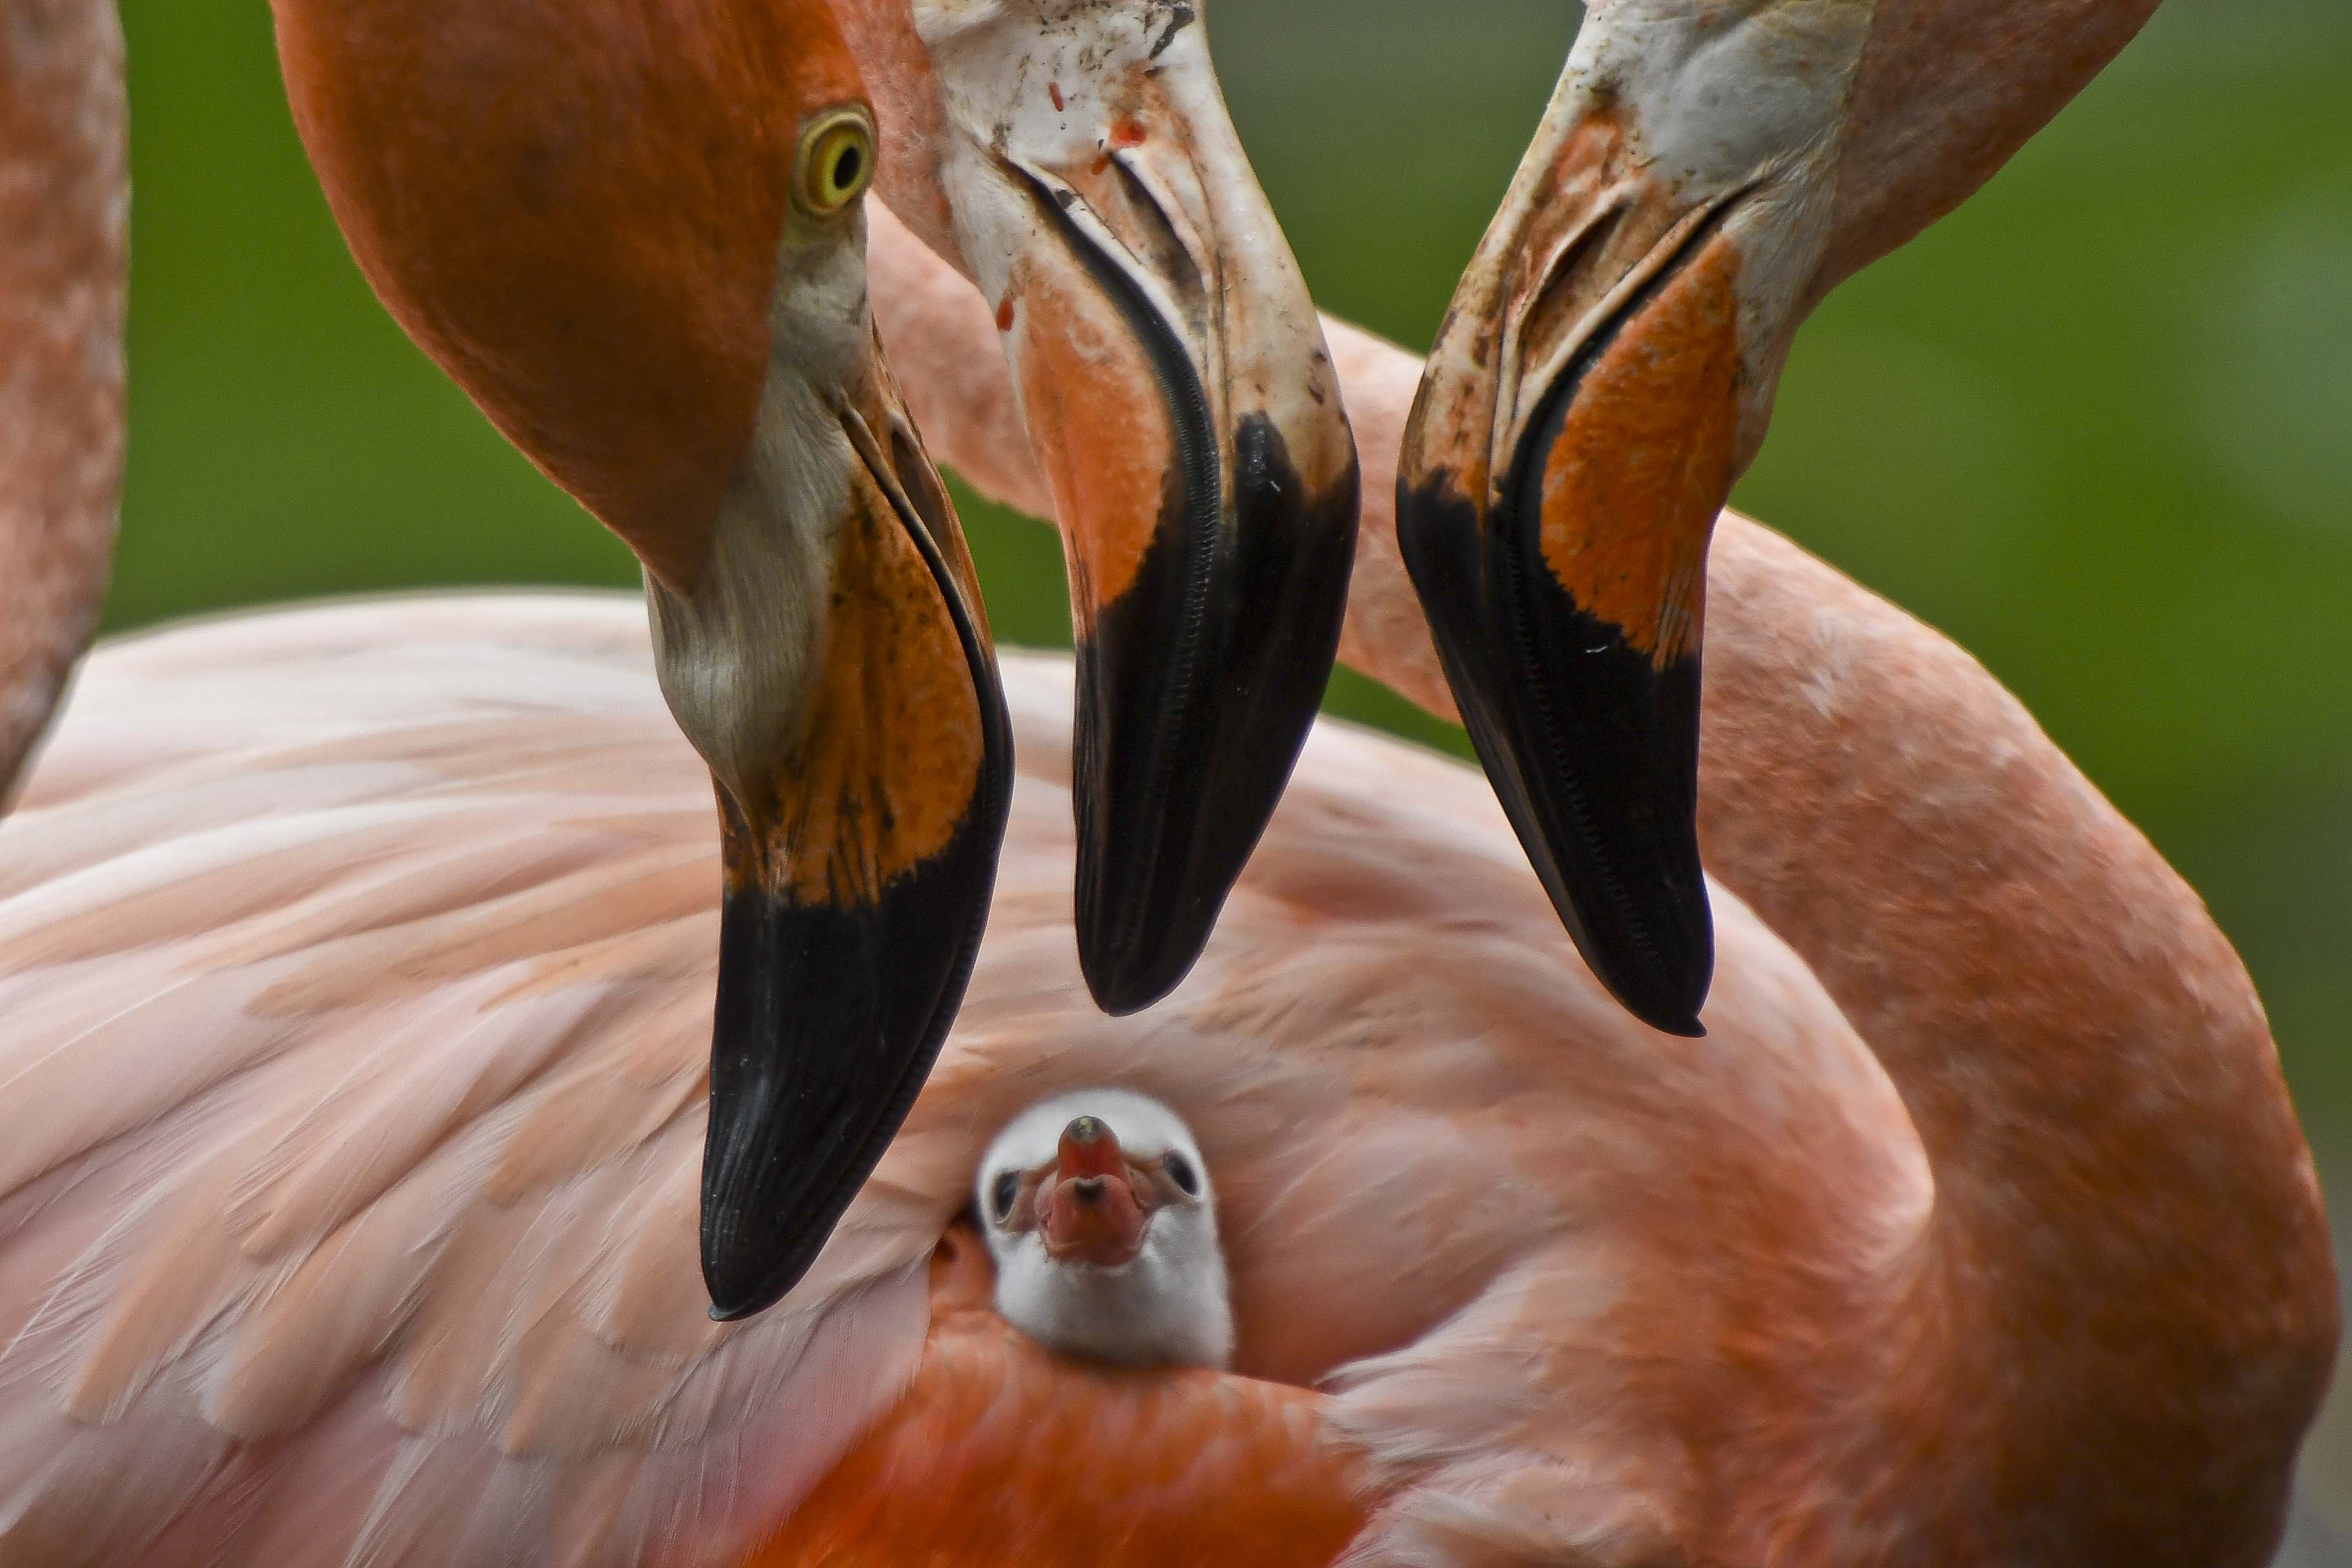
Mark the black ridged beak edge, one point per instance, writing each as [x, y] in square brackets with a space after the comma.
[1593, 748]
[1199, 683]
[830, 1015]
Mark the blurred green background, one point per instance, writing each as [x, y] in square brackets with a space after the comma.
[2097, 425]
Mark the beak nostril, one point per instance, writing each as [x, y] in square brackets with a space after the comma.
[1089, 1189]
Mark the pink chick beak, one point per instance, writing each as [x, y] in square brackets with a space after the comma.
[1090, 1211]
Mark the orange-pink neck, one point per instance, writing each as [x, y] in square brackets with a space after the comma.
[1947, 93]
[64, 243]
[2119, 1317]
[2126, 1230]
[908, 116]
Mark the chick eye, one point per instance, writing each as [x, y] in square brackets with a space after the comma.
[1002, 1195]
[835, 162]
[1180, 1171]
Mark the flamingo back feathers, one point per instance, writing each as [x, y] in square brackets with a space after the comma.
[357, 967]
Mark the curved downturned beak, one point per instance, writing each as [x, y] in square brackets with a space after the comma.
[1177, 387]
[1585, 411]
[860, 848]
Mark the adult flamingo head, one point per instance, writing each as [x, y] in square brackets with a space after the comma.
[1075, 157]
[1705, 172]
[1098, 1208]
[634, 235]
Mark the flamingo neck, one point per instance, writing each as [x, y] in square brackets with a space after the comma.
[1944, 95]
[2123, 1197]
[2119, 1318]
[909, 119]
[2125, 1304]
[64, 210]
[2123, 1280]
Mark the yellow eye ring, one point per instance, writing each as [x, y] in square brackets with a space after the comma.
[836, 162]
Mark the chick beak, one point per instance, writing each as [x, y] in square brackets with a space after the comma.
[1088, 1212]
[1584, 414]
[1176, 384]
[858, 865]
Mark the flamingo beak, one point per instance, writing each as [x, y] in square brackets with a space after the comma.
[1181, 401]
[1584, 412]
[662, 301]
[1089, 1209]
[859, 849]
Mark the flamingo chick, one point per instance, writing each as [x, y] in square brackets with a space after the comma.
[1097, 1210]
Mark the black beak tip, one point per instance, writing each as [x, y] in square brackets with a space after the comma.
[827, 1021]
[748, 1268]
[735, 1308]
[1593, 748]
[744, 1282]
[1128, 976]
[1664, 990]
[1681, 1023]
[1197, 688]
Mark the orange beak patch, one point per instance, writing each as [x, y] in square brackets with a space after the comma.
[1208, 559]
[1565, 580]
[1643, 461]
[858, 878]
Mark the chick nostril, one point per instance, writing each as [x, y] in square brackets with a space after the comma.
[1089, 1189]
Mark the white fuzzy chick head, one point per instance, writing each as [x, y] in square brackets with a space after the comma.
[1098, 1208]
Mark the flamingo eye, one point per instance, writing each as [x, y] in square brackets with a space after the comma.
[1001, 1196]
[836, 162]
[1180, 1171]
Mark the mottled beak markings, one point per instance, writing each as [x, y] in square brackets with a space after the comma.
[1604, 374]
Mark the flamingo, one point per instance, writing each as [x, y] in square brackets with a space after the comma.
[860, 763]
[1703, 175]
[729, 419]
[357, 961]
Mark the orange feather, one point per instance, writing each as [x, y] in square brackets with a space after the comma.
[1003, 1455]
